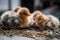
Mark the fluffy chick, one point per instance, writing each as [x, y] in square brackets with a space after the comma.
[10, 19]
[39, 19]
[53, 23]
[25, 15]
[43, 21]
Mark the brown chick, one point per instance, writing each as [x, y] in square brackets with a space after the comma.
[24, 14]
[39, 19]
[43, 21]
[15, 9]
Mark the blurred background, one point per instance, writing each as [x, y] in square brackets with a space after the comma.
[46, 6]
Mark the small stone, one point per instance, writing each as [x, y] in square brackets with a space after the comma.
[55, 39]
[40, 38]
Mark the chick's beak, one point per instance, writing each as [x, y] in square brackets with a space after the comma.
[28, 14]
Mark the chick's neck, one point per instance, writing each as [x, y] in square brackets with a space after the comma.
[25, 20]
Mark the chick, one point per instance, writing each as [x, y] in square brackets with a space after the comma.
[16, 9]
[5, 18]
[39, 19]
[11, 13]
[10, 19]
[54, 23]
[25, 15]
[44, 21]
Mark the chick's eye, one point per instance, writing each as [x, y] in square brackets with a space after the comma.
[24, 13]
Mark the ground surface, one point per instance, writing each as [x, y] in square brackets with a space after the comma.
[29, 34]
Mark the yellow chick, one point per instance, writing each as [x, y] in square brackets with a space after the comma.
[43, 21]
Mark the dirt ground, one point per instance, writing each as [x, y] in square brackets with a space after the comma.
[32, 33]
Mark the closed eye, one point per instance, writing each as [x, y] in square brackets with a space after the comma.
[24, 13]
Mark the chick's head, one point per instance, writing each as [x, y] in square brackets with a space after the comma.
[16, 9]
[37, 15]
[23, 12]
